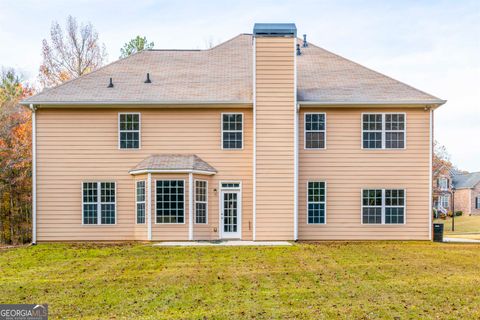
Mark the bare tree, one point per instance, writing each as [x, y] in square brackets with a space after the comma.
[70, 54]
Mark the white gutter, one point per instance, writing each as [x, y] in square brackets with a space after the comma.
[190, 206]
[34, 174]
[254, 231]
[430, 178]
[134, 102]
[372, 102]
[149, 171]
[149, 207]
[295, 146]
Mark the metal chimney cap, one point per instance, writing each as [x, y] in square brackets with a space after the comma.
[275, 29]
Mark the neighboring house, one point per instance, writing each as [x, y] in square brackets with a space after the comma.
[442, 190]
[467, 193]
[263, 137]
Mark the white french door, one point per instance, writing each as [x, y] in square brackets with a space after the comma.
[230, 214]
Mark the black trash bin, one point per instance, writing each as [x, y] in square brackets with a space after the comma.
[438, 232]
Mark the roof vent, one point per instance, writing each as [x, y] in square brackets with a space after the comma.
[305, 43]
[299, 52]
[148, 78]
[110, 85]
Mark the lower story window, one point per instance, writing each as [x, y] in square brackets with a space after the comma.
[170, 201]
[383, 206]
[443, 201]
[99, 203]
[201, 201]
[316, 202]
[140, 202]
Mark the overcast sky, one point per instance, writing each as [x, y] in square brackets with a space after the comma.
[431, 45]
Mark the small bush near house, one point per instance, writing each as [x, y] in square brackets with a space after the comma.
[450, 214]
[458, 213]
[443, 216]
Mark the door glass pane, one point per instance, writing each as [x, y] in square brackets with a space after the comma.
[230, 212]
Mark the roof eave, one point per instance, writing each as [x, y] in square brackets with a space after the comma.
[433, 103]
[129, 103]
[145, 171]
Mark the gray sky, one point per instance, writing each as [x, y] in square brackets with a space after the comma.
[431, 45]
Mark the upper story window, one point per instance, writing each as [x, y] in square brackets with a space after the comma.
[315, 124]
[201, 203]
[129, 130]
[232, 130]
[383, 206]
[442, 184]
[383, 130]
[98, 205]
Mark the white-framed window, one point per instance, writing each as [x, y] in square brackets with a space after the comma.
[230, 185]
[383, 206]
[129, 130]
[140, 201]
[98, 203]
[201, 201]
[315, 130]
[383, 130]
[232, 130]
[316, 202]
[444, 201]
[442, 184]
[170, 201]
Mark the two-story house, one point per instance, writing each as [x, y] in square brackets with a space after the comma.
[263, 137]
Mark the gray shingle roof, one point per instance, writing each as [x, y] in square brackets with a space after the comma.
[173, 162]
[224, 74]
[468, 180]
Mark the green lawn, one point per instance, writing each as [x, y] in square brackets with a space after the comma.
[465, 227]
[354, 280]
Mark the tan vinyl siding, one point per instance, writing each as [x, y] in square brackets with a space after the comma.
[347, 169]
[75, 145]
[275, 100]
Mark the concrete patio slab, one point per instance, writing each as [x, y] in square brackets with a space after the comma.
[226, 243]
[460, 240]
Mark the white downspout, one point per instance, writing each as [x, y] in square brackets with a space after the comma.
[254, 213]
[430, 180]
[190, 206]
[295, 145]
[34, 174]
[149, 206]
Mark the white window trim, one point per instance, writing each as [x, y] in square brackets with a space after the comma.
[140, 202]
[384, 131]
[305, 131]
[206, 201]
[222, 131]
[441, 202]
[443, 184]
[139, 130]
[383, 207]
[99, 204]
[185, 211]
[325, 202]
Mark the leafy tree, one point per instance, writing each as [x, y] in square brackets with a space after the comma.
[70, 54]
[15, 160]
[135, 45]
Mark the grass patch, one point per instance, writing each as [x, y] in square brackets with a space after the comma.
[463, 225]
[355, 280]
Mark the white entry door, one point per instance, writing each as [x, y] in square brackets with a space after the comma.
[231, 214]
